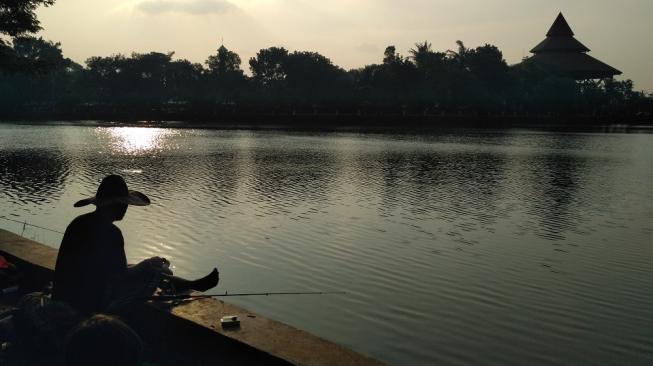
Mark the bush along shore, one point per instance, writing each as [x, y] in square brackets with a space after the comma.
[466, 86]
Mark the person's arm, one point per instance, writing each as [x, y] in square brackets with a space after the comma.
[154, 264]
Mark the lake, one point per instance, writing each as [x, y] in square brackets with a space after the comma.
[455, 248]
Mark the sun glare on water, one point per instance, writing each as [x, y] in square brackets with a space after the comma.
[136, 140]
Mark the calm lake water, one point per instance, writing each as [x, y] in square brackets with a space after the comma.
[465, 247]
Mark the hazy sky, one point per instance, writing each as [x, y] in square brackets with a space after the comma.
[350, 32]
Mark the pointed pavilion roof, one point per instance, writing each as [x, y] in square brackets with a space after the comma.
[560, 38]
[562, 53]
[560, 28]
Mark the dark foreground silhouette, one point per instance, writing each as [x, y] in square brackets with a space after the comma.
[91, 272]
[103, 341]
[92, 278]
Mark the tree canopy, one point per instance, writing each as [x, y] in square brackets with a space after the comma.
[463, 81]
[225, 62]
[268, 66]
[17, 16]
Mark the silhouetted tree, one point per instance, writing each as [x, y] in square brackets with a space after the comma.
[487, 64]
[306, 70]
[225, 77]
[537, 90]
[40, 73]
[17, 16]
[390, 84]
[36, 54]
[7, 57]
[147, 76]
[460, 56]
[489, 71]
[427, 60]
[390, 56]
[139, 79]
[184, 80]
[35, 76]
[433, 68]
[224, 63]
[268, 66]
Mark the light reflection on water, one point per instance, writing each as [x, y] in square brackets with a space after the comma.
[134, 140]
[469, 247]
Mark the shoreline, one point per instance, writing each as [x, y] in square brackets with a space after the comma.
[388, 124]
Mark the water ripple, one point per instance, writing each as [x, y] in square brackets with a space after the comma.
[465, 247]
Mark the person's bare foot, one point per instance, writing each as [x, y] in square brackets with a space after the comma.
[208, 282]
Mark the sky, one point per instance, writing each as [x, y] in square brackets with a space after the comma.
[352, 33]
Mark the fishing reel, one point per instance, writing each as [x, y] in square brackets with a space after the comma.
[166, 287]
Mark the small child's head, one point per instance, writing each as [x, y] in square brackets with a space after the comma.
[103, 340]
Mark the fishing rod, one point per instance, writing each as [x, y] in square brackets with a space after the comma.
[188, 296]
[25, 223]
[226, 294]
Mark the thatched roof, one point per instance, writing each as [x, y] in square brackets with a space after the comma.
[560, 44]
[579, 66]
[564, 54]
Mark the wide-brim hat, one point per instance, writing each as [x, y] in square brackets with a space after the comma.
[113, 190]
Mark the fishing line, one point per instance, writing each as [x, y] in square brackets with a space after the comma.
[226, 294]
[185, 297]
[25, 223]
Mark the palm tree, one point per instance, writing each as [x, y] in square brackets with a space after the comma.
[420, 53]
[460, 56]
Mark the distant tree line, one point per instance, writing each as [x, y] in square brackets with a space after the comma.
[35, 76]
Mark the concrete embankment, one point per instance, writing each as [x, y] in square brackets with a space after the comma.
[189, 332]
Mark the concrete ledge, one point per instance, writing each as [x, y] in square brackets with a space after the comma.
[190, 333]
[27, 250]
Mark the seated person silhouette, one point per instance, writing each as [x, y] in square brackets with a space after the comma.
[91, 273]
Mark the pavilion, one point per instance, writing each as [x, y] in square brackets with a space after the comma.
[564, 55]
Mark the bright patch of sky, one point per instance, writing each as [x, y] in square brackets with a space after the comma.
[350, 32]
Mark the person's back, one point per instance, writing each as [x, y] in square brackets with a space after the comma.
[91, 256]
